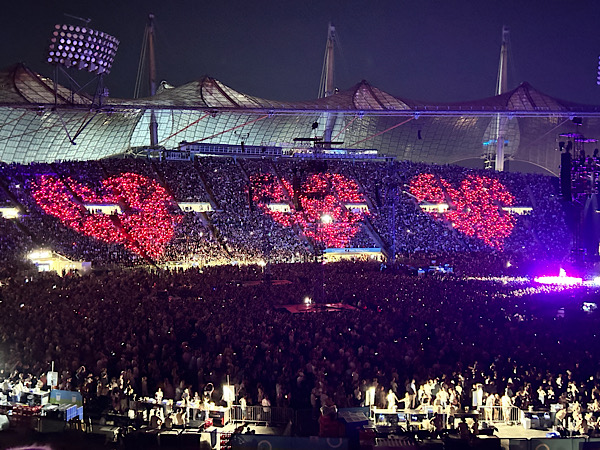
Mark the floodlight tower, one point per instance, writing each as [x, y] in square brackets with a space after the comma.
[78, 47]
[83, 49]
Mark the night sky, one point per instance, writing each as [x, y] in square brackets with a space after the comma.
[424, 50]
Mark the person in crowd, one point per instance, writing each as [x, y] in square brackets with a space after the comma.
[329, 425]
[506, 404]
[412, 394]
[391, 400]
[159, 395]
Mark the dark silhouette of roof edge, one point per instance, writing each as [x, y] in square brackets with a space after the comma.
[208, 92]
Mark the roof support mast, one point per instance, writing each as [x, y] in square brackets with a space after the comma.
[501, 88]
[152, 79]
[327, 82]
[329, 61]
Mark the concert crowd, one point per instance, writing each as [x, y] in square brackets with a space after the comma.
[132, 326]
[241, 228]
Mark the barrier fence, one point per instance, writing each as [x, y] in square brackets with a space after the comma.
[495, 414]
[268, 414]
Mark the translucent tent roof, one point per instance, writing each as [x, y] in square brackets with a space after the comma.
[212, 94]
[36, 125]
[21, 86]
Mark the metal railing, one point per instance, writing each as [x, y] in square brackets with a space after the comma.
[267, 414]
[506, 414]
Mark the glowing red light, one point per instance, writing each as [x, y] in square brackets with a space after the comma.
[475, 207]
[145, 225]
[323, 196]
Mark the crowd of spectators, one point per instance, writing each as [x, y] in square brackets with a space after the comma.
[128, 328]
[542, 230]
[12, 242]
[184, 181]
[248, 233]
[239, 229]
[195, 244]
[122, 334]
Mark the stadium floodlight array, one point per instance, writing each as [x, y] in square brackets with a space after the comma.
[82, 48]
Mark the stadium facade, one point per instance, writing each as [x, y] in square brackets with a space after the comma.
[44, 122]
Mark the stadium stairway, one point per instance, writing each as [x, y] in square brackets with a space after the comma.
[22, 210]
[211, 196]
[370, 229]
[362, 190]
[14, 200]
[368, 224]
[297, 228]
[288, 195]
[21, 226]
[242, 170]
[117, 222]
[536, 238]
[307, 243]
[161, 178]
[67, 185]
[207, 222]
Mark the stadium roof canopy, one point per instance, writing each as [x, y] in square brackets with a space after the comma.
[37, 124]
[362, 97]
[21, 87]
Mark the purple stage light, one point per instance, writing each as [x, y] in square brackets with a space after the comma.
[561, 279]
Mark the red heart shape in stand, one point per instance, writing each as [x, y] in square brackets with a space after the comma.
[146, 222]
[475, 207]
[323, 196]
